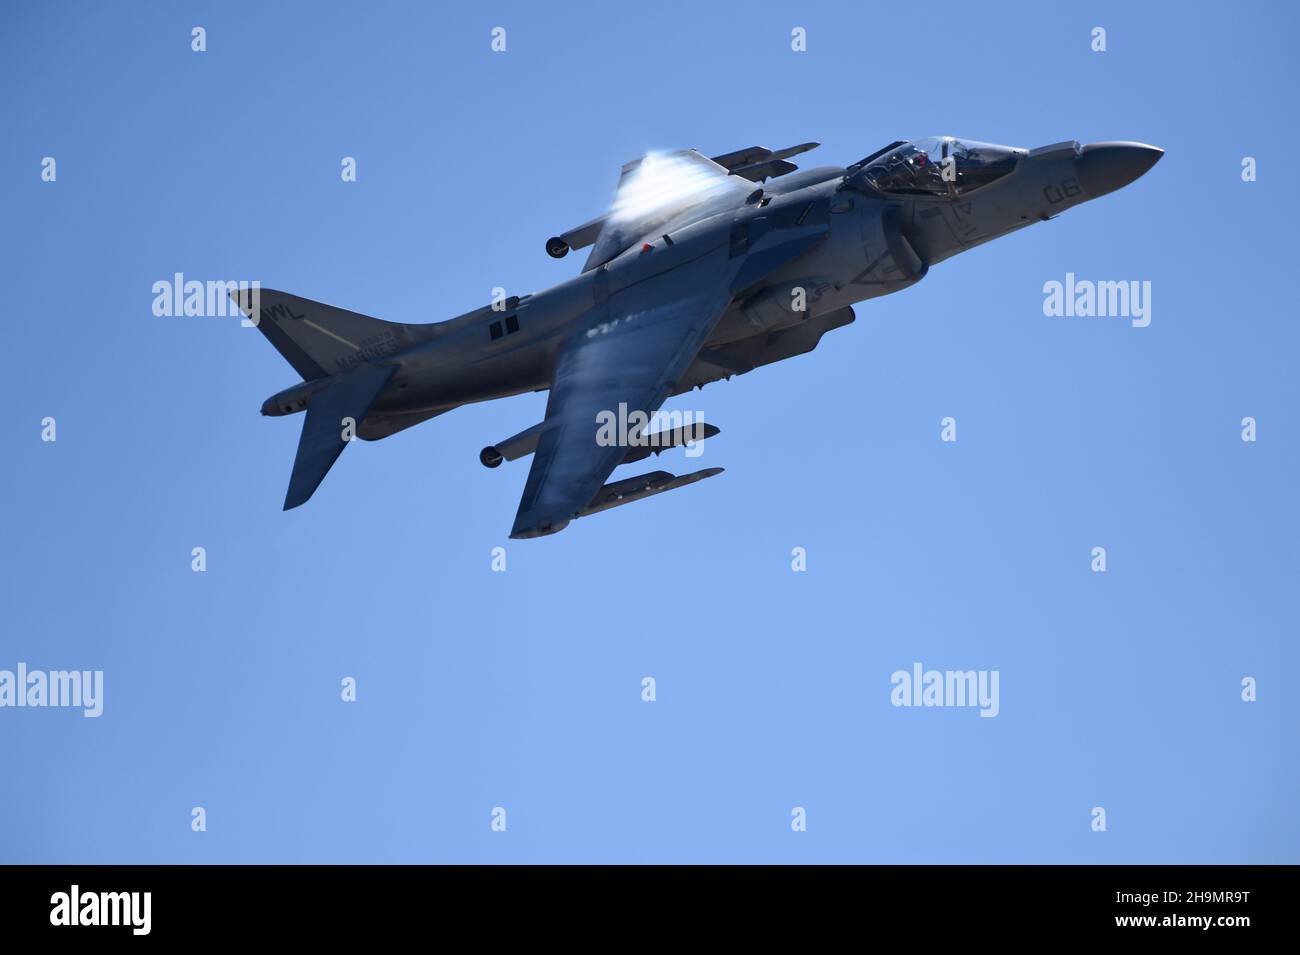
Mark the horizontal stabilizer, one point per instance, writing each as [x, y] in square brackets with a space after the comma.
[322, 441]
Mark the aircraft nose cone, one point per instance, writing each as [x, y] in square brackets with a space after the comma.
[1105, 167]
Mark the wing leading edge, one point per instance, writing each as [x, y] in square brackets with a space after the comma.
[650, 334]
[633, 349]
[663, 192]
[755, 164]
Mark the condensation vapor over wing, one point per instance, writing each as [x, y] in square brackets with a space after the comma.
[664, 188]
[666, 182]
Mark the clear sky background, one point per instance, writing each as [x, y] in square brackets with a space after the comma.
[523, 689]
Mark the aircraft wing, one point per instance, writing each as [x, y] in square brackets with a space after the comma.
[650, 333]
[637, 342]
[662, 186]
[659, 190]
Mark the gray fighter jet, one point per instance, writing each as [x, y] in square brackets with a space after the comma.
[700, 270]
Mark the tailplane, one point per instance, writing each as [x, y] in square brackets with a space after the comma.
[339, 354]
[332, 417]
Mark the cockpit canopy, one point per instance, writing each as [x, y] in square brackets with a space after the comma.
[938, 166]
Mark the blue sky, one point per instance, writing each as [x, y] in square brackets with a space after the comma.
[523, 689]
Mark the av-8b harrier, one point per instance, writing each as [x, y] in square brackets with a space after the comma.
[702, 269]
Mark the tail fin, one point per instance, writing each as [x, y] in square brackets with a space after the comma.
[318, 339]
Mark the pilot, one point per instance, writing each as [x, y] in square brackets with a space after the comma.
[927, 174]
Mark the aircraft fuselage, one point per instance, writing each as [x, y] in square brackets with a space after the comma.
[878, 243]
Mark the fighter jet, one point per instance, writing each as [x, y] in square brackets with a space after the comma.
[701, 269]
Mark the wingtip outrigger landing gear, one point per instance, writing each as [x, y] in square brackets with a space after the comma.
[556, 247]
